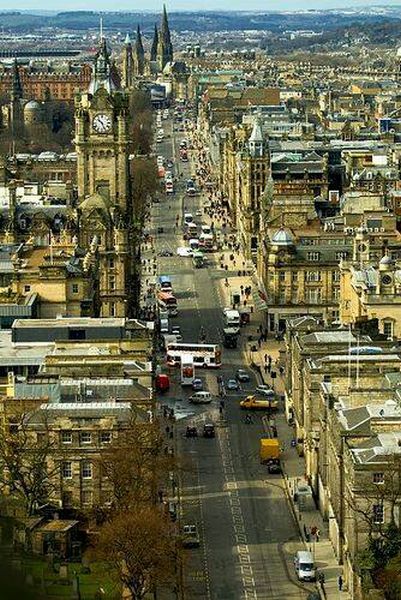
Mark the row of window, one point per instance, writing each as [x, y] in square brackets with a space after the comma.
[86, 470]
[312, 296]
[74, 288]
[315, 256]
[85, 437]
[310, 276]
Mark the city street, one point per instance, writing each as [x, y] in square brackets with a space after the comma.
[247, 530]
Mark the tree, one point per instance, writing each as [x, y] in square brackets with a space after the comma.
[145, 183]
[142, 121]
[25, 470]
[137, 465]
[140, 547]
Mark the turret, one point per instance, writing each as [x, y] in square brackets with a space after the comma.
[155, 43]
[139, 53]
[256, 142]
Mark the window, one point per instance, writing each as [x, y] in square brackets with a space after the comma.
[313, 276]
[66, 437]
[388, 329]
[294, 277]
[27, 288]
[112, 283]
[282, 275]
[75, 288]
[105, 437]
[87, 497]
[66, 499]
[111, 263]
[112, 309]
[313, 296]
[313, 256]
[86, 470]
[66, 470]
[336, 276]
[378, 513]
[340, 255]
[336, 293]
[85, 437]
[378, 478]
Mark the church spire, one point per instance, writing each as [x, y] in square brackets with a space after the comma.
[139, 53]
[155, 43]
[101, 75]
[165, 47]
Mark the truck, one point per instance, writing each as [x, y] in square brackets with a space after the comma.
[187, 369]
[231, 318]
[255, 403]
[230, 337]
[269, 450]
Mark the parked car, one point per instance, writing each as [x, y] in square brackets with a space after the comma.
[274, 468]
[197, 384]
[191, 431]
[190, 536]
[233, 384]
[166, 252]
[242, 375]
[208, 430]
[264, 390]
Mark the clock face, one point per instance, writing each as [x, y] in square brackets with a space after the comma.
[386, 279]
[102, 123]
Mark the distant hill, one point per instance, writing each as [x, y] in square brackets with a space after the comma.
[206, 21]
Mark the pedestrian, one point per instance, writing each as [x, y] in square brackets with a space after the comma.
[220, 410]
[222, 404]
[305, 533]
[269, 360]
[281, 369]
[266, 358]
[266, 369]
[259, 342]
[340, 583]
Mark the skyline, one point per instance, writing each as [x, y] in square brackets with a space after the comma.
[189, 5]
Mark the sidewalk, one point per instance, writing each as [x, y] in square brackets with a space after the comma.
[292, 463]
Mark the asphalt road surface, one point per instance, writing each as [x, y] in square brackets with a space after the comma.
[248, 534]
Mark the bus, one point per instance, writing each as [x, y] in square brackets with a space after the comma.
[165, 283]
[203, 355]
[187, 369]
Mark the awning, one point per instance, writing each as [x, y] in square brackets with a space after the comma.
[259, 300]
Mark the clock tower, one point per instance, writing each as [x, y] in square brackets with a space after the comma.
[105, 218]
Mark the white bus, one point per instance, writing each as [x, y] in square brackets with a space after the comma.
[187, 369]
[203, 355]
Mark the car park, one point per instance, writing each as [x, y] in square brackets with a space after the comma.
[197, 384]
[209, 431]
[190, 536]
[233, 384]
[242, 375]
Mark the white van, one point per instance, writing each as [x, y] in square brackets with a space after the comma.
[305, 566]
[164, 325]
[201, 398]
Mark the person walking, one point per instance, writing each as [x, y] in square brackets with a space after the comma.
[340, 583]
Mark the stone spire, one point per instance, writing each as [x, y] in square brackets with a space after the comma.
[165, 47]
[139, 53]
[101, 76]
[155, 43]
[16, 86]
[128, 63]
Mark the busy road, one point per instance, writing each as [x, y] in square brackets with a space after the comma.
[246, 528]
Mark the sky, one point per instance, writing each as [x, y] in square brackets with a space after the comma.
[155, 5]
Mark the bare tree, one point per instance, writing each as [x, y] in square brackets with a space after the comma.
[137, 465]
[140, 547]
[25, 471]
[145, 183]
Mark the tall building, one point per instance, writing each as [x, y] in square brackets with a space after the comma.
[164, 46]
[139, 54]
[105, 216]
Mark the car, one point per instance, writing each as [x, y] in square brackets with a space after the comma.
[191, 431]
[190, 536]
[201, 398]
[208, 430]
[184, 251]
[197, 384]
[274, 468]
[242, 375]
[233, 384]
[166, 252]
[264, 390]
[198, 213]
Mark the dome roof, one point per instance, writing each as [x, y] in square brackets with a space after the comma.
[95, 202]
[282, 237]
[32, 105]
